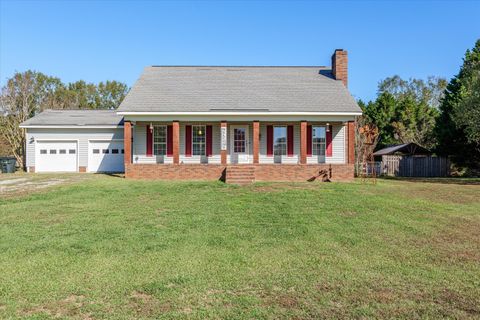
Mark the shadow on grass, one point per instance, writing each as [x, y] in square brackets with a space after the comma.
[459, 181]
[111, 174]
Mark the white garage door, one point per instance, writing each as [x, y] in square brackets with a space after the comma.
[56, 156]
[106, 156]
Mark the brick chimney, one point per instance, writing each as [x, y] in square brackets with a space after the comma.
[340, 66]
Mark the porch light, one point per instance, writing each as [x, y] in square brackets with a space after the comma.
[328, 127]
[199, 132]
[151, 127]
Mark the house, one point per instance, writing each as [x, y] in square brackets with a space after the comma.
[241, 124]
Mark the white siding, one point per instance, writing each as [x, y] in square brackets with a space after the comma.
[338, 146]
[82, 135]
[140, 145]
[263, 158]
[215, 158]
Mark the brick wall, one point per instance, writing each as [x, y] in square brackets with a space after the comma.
[263, 172]
[174, 171]
[340, 66]
[299, 172]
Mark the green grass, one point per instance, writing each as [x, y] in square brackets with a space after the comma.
[110, 248]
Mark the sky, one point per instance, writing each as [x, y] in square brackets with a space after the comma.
[114, 40]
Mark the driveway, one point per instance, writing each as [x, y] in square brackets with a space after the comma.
[22, 183]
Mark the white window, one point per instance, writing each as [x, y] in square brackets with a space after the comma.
[318, 141]
[280, 141]
[198, 140]
[160, 140]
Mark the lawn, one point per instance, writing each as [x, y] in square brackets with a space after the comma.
[104, 247]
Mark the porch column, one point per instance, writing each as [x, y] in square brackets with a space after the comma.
[303, 142]
[176, 142]
[351, 142]
[223, 142]
[127, 142]
[256, 141]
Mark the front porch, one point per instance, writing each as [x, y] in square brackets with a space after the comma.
[214, 150]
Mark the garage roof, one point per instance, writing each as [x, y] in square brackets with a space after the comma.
[238, 89]
[74, 118]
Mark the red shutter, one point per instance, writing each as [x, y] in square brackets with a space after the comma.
[169, 141]
[329, 142]
[149, 141]
[290, 141]
[188, 141]
[309, 141]
[209, 141]
[269, 141]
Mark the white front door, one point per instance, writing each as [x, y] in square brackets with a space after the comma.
[106, 156]
[56, 156]
[239, 144]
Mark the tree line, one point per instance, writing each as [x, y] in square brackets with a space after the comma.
[28, 93]
[441, 116]
[438, 115]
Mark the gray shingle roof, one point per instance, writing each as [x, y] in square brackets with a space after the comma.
[209, 89]
[75, 118]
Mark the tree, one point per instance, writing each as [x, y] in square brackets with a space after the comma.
[405, 110]
[30, 92]
[458, 124]
[111, 94]
[18, 101]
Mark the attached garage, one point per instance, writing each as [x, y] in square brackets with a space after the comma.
[106, 156]
[75, 141]
[56, 156]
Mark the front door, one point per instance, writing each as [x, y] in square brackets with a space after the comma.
[239, 142]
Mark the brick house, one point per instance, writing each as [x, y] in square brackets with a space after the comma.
[240, 124]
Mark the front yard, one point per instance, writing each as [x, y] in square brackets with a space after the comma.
[104, 247]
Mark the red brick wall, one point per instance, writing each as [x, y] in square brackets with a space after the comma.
[174, 171]
[263, 172]
[351, 142]
[340, 66]
[127, 141]
[298, 172]
[82, 169]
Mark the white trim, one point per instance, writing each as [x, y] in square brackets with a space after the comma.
[226, 113]
[191, 142]
[77, 141]
[247, 157]
[153, 140]
[68, 127]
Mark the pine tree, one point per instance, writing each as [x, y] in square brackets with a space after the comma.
[458, 124]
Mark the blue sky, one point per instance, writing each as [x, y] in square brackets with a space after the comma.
[114, 40]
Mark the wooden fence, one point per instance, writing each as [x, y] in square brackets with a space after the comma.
[411, 166]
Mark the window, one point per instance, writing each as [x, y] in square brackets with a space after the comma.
[318, 141]
[105, 151]
[53, 151]
[280, 141]
[115, 151]
[43, 151]
[239, 140]
[160, 140]
[71, 151]
[198, 140]
[96, 151]
[62, 151]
